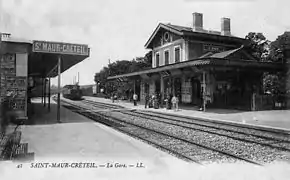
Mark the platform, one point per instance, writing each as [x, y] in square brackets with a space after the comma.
[273, 119]
[78, 139]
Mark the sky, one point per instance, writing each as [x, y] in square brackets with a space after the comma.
[119, 29]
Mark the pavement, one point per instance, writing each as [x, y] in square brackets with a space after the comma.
[78, 139]
[278, 119]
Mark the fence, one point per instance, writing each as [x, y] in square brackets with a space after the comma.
[270, 102]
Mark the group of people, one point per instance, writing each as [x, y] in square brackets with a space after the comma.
[114, 97]
[154, 101]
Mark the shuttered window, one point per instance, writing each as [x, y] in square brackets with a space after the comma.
[157, 60]
[177, 54]
[166, 57]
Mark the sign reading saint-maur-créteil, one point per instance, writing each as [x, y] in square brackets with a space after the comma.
[60, 48]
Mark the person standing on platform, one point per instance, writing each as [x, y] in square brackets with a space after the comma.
[174, 102]
[135, 97]
[177, 102]
[146, 100]
[112, 97]
[201, 100]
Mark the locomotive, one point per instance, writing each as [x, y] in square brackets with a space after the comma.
[72, 92]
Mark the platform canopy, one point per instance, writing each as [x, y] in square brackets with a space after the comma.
[211, 62]
[44, 57]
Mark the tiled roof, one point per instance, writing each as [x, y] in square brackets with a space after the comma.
[190, 30]
[208, 54]
[207, 61]
[179, 28]
[183, 30]
[225, 54]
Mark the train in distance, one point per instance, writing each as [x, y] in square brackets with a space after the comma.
[72, 92]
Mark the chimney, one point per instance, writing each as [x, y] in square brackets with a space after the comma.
[226, 26]
[197, 21]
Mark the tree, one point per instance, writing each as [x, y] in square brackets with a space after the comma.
[279, 52]
[280, 48]
[123, 67]
[276, 51]
[258, 45]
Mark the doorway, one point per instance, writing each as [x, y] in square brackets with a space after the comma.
[177, 88]
[196, 91]
[157, 87]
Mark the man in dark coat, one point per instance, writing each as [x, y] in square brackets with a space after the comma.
[147, 98]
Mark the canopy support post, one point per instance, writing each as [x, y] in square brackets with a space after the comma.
[48, 94]
[204, 91]
[58, 92]
[44, 92]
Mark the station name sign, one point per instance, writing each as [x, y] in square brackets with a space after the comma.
[60, 48]
[212, 48]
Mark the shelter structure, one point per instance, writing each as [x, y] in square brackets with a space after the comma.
[201, 67]
[27, 65]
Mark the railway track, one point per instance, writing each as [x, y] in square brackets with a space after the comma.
[261, 135]
[260, 139]
[219, 154]
[122, 127]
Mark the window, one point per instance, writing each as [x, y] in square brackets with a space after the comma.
[157, 60]
[166, 36]
[166, 57]
[177, 54]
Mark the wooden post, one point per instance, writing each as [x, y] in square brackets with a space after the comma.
[58, 92]
[173, 87]
[49, 95]
[161, 90]
[41, 90]
[204, 91]
[134, 86]
[44, 93]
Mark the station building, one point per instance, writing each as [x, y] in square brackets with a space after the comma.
[28, 65]
[199, 65]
